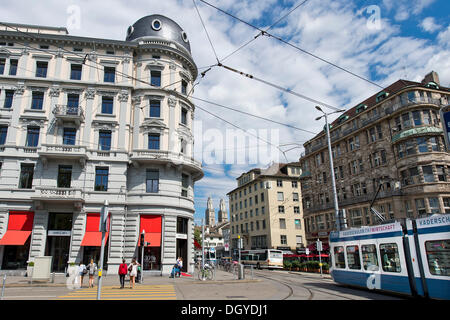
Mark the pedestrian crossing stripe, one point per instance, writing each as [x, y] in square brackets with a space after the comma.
[141, 292]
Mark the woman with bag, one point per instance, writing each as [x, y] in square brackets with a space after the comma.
[123, 270]
[132, 268]
[82, 272]
[92, 268]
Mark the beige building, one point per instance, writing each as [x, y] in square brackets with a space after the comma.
[392, 140]
[266, 208]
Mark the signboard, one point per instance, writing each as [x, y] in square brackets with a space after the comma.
[42, 268]
[445, 120]
[307, 251]
[227, 247]
[181, 236]
[59, 233]
[319, 245]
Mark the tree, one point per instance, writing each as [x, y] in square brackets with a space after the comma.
[198, 236]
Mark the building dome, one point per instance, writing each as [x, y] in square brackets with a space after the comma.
[158, 26]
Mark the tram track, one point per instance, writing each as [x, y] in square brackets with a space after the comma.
[297, 284]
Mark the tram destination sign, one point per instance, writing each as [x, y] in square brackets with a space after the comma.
[391, 227]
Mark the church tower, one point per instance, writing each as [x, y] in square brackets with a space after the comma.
[210, 215]
[223, 215]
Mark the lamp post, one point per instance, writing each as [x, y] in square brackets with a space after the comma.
[102, 227]
[333, 181]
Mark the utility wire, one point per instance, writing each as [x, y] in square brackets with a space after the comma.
[206, 31]
[253, 115]
[292, 45]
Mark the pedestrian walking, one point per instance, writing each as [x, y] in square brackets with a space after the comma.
[132, 269]
[82, 272]
[180, 266]
[92, 269]
[123, 270]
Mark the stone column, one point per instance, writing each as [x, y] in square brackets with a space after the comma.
[136, 102]
[16, 106]
[169, 248]
[173, 138]
[123, 99]
[88, 115]
[39, 235]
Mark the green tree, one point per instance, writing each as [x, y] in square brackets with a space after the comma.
[198, 236]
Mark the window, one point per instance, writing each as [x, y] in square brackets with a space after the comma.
[262, 210]
[69, 136]
[420, 206]
[339, 257]
[438, 257]
[184, 116]
[422, 144]
[101, 179]
[37, 100]
[262, 197]
[440, 171]
[426, 117]
[3, 134]
[13, 63]
[294, 184]
[2, 65]
[372, 134]
[434, 205]
[280, 196]
[64, 176]
[414, 175]
[75, 71]
[434, 144]
[280, 209]
[9, 95]
[183, 87]
[256, 199]
[153, 141]
[109, 75]
[282, 223]
[26, 176]
[32, 136]
[279, 183]
[298, 224]
[152, 181]
[257, 212]
[104, 140]
[351, 144]
[283, 239]
[155, 78]
[353, 257]
[107, 105]
[428, 175]
[41, 69]
[72, 103]
[416, 118]
[295, 197]
[406, 120]
[390, 258]
[155, 108]
[369, 257]
[297, 209]
[410, 147]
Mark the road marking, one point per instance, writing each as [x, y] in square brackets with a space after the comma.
[141, 292]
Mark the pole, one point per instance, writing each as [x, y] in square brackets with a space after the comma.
[319, 247]
[142, 257]
[103, 218]
[203, 243]
[3, 287]
[336, 208]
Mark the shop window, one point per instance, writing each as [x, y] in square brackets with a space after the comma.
[390, 258]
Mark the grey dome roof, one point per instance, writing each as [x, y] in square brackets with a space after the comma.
[156, 25]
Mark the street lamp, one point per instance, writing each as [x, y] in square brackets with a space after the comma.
[336, 208]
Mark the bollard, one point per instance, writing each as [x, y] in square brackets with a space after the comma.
[53, 277]
[3, 287]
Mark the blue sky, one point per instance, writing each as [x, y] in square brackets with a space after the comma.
[412, 40]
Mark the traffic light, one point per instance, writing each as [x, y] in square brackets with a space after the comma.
[142, 239]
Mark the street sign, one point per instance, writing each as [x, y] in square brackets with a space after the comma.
[319, 245]
[307, 251]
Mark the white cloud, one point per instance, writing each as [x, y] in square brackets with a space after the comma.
[429, 25]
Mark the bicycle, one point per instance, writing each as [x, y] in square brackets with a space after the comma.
[206, 273]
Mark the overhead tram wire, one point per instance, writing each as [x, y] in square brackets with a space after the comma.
[253, 115]
[232, 124]
[279, 88]
[206, 31]
[291, 45]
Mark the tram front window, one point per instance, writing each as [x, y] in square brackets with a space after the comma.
[438, 256]
[369, 257]
[390, 258]
[339, 257]
[353, 258]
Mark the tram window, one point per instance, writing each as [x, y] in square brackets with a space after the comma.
[339, 259]
[438, 256]
[353, 257]
[369, 257]
[389, 257]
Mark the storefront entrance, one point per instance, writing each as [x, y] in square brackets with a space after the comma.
[182, 252]
[94, 253]
[58, 239]
[15, 257]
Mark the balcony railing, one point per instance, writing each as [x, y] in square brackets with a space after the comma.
[54, 193]
[404, 104]
[63, 149]
[67, 112]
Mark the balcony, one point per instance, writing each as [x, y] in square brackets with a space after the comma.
[166, 157]
[61, 195]
[63, 151]
[66, 113]
[416, 101]
[417, 131]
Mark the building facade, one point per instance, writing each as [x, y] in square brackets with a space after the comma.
[392, 143]
[84, 120]
[266, 209]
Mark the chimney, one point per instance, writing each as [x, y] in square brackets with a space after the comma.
[432, 76]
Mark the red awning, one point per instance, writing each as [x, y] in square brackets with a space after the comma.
[15, 238]
[93, 237]
[151, 224]
[20, 225]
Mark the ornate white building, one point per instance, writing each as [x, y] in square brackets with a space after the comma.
[84, 120]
